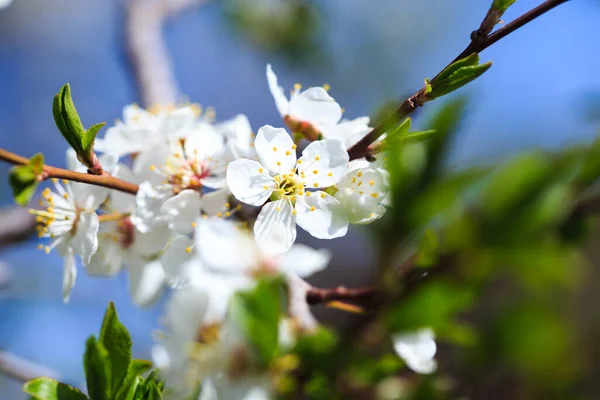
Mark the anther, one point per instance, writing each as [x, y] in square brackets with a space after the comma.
[188, 249]
[274, 148]
[294, 147]
[371, 183]
[315, 184]
[312, 208]
[317, 158]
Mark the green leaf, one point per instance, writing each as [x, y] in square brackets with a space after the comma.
[468, 61]
[115, 338]
[97, 370]
[256, 313]
[457, 75]
[90, 137]
[502, 5]
[49, 389]
[23, 179]
[133, 389]
[70, 126]
[136, 368]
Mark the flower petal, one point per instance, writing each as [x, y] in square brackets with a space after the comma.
[239, 136]
[148, 201]
[176, 259]
[152, 242]
[349, 132]
[249, 182]
[88, 197]
[275, 149]
[107, 260]
[69, 274]
[182, 211]
[304, 261]
[319, 214]
[316, 106]
[323, 163]
[360, 193]
[275, 227]
[223, 246]
[203, 142]
[85, 240]
[417, 349]
[215, 202]
[120, 201]
[281, 101]
[146, 279]
[155, 157]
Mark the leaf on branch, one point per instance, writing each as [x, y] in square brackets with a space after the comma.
[502, 5]
[457, 75]
[97, 370]
[24, 179]
[256, 313]
[49, 389]
[133, 378]
[115, 338]
[70, 126]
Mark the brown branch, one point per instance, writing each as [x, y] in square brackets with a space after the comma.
[341, 293]
[52, 172]
[481, 39]
[23, 370]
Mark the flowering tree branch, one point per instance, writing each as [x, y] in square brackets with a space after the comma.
[481, 39]
[53, 172]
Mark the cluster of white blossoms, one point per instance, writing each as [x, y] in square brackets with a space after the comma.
[217, 207]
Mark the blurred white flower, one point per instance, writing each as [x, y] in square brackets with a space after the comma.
[417, 349]
[5, 3]
[141, 129]
[224, 247]
[286, 182]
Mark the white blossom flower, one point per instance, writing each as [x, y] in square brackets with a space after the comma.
[191, 348]
[417, 349]
[361, 192]
[71, 222]
[179, 180]
[286, 182]
[215, 239]
[314, 105]
[141, 129]
[315, 113]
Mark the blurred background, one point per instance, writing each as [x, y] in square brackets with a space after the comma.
[543, 91]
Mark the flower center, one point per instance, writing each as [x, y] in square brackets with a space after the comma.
[126, 232]
[288, 187]
[59, 217]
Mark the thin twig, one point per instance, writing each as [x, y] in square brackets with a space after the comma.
[481, 39]
[52, 172]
